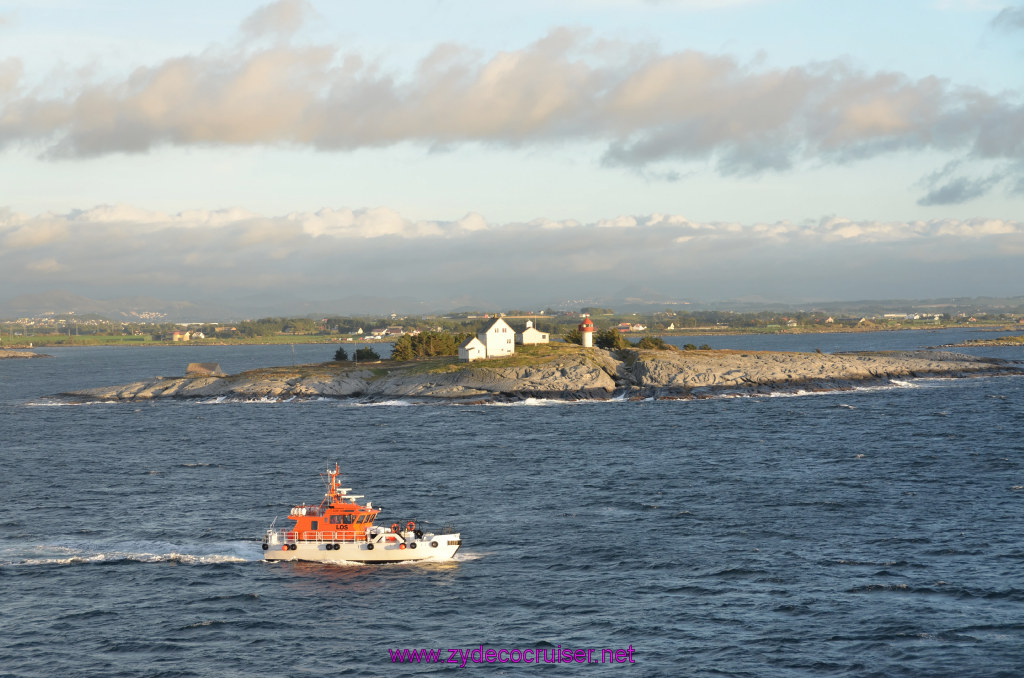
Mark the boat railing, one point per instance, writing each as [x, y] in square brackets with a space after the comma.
[320, 536]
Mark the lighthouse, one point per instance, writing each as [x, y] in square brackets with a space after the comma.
[587, 332]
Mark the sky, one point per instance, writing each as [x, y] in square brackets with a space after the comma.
[512, 154]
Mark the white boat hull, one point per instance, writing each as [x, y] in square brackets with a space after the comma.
[430, 547]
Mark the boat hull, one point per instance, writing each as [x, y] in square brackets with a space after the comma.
[365, 552]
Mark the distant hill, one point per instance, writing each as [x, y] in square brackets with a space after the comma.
[62, 302]
[628, 300]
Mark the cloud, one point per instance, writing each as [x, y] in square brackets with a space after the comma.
[49, 265]
[1009, 18]
[958, 190]
[648, 107]
[10, 74]
[109, 248]
[950, 185]
[282, 19]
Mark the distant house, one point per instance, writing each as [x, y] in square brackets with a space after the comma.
[472, 349]
[393, 331]
[204, 370]
[531, 335]
[178, 335]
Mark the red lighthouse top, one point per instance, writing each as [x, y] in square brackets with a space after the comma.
[587, 325]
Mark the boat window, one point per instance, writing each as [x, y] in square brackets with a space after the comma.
[335, 519]
[349, 518]
[313, 525]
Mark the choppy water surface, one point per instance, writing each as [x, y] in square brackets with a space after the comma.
[874, 532]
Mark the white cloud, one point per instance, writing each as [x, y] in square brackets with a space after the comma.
[282, 18]
[648, 107]
[49, 265]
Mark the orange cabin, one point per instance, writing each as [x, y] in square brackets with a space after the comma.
[337, 514]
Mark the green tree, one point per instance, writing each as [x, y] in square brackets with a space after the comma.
[366, 354]
[573, 336]
[427, 344]
[611, 339]
[403, 348]
[341, 354]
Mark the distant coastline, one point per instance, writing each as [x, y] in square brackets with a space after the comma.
[44, 341]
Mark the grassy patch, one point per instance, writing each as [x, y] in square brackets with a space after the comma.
[528, 356]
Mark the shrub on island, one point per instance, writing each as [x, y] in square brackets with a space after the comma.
[366, 354]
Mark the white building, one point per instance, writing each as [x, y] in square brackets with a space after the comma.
[493, 341]
[472, 349]
[531, 335]
[498, 337]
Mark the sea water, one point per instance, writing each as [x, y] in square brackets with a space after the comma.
[858, 533]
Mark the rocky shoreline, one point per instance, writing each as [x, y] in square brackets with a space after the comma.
[20, 353]
[571, 373]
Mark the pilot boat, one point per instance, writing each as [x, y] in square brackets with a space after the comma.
[339, 528]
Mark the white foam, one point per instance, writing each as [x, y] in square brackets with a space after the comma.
[904, 384]
[552, 402]
[71, 404]
[49, 554]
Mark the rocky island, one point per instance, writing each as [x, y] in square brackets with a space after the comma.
[567, 372]
[1011, 340]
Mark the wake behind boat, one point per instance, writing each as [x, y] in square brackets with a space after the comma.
[340, 529]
